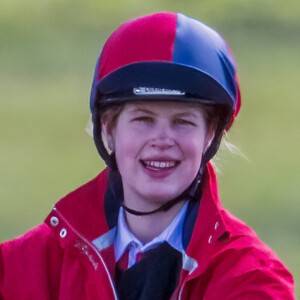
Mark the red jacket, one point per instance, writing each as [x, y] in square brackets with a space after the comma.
[71, 256]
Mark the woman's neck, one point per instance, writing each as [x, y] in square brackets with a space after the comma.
[146, 228]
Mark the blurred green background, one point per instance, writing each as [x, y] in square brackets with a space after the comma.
[48, 50]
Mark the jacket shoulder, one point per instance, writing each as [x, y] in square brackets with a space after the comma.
[29, 260]
[247, 268]
[28, 249]
[251, 273]
[33, 240]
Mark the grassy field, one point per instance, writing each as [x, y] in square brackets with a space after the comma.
[48, 50]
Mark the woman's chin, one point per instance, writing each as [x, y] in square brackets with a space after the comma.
[155, 200]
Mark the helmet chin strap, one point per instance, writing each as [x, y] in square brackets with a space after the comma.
[193, 193]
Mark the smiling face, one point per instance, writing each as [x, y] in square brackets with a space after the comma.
[158, 148]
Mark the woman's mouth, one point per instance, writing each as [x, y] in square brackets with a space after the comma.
[158, 165]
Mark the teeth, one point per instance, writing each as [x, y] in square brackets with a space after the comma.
[160, 164]
[156, 164]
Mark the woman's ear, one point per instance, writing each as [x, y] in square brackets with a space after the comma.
[108, 125]
[107, 136]
[210, 134]
[110, 142]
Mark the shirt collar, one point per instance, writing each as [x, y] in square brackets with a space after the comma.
[172, 235]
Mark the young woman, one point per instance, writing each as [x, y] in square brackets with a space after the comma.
[151, 225]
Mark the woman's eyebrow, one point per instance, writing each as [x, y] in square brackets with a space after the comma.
[175, 114]
[142, 110]
[186, 114]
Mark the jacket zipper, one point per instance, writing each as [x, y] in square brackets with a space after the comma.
[93, 248]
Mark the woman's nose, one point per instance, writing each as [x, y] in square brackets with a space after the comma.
[162, 137]
[162, 144]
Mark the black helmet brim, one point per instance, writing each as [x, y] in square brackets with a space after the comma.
[197, 86]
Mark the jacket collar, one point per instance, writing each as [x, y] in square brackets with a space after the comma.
[211, 230]
[82, 210]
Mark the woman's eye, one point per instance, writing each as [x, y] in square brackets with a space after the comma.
[183, 122]
[144, 119]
